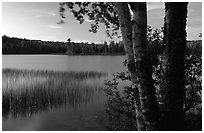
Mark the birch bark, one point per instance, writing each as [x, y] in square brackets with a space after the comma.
[126, 31]
[143, 66]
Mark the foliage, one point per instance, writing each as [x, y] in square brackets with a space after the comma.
[96, 12]
[106, 13]
[121, 105]
[193, 86]
[26, 46]
[120, 109]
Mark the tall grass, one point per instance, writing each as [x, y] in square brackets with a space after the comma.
[30, 91]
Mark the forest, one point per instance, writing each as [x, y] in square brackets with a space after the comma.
[11, 45]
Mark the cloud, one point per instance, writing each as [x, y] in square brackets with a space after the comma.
[51, 13]
[54, 27]
[46, 14]
[39, 15]
[154, 5]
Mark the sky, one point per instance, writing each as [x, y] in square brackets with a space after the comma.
[38, 20]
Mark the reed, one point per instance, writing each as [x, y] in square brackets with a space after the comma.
[30, 91]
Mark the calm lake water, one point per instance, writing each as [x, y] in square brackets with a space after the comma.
[88, 114]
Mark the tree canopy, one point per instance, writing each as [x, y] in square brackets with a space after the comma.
[96, 12]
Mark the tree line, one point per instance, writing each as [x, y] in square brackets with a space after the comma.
[11, 45]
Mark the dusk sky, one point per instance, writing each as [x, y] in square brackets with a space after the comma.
[39, 21]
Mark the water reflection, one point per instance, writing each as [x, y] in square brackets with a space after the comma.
[29, 92]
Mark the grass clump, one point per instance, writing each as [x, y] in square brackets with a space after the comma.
[30, 91]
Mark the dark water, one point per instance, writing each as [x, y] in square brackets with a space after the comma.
[84, 107]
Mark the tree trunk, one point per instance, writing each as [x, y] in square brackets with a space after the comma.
[126, 30]
[175, 39]
[143, 66]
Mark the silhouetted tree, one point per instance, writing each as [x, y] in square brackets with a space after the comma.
[175, 40]
[69, 40]
[134, 31]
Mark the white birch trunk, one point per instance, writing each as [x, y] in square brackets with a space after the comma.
[143, 66]
[126, 30]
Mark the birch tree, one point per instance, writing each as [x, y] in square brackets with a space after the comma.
[133, 28]
[126, 30]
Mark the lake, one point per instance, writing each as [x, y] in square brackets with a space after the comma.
[84, 107]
